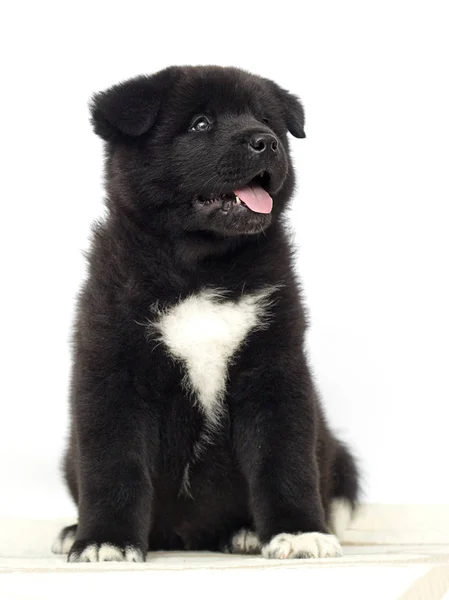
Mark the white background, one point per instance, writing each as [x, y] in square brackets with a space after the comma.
[371, 213]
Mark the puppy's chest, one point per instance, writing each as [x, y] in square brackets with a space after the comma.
[204, 332]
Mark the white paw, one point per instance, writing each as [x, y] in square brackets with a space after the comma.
[244, 542]
[302, 545]
[63, 542]
[106, 553]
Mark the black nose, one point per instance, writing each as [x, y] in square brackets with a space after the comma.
[262, 142]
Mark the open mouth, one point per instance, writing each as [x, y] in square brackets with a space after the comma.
[253, 196]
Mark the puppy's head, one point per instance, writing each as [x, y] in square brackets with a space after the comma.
[204, 148]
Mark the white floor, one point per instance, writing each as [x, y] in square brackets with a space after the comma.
[369, 571]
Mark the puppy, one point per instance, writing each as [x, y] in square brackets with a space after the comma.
[195, 423]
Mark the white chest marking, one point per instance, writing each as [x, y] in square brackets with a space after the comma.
[204, 331]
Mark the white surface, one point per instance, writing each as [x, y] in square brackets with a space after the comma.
[371, 215]
[28, 570]
[370, 582]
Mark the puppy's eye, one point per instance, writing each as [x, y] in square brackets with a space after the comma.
[200, 123]
[266, 121]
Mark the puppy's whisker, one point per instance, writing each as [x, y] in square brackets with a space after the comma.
[223, 186]
[215, 183]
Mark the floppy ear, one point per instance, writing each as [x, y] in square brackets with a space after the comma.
[293, 112]
[129, 108]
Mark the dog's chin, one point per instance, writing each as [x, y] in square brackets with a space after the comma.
[229, 217]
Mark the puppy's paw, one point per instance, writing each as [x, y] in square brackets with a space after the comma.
[303, 545]
[88, 551]
[64, 541]
[243, 541]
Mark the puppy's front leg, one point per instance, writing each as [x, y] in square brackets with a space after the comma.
[115, 443]
[275, 435]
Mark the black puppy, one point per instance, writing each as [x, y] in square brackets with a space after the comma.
[195, 421]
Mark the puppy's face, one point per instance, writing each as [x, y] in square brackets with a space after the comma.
[204, 147]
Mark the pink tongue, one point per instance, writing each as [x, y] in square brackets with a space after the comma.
[255, 198]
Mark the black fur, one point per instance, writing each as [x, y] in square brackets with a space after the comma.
[272, 464]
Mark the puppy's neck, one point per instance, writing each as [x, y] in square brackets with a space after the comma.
[192, 248]
[186, 249]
